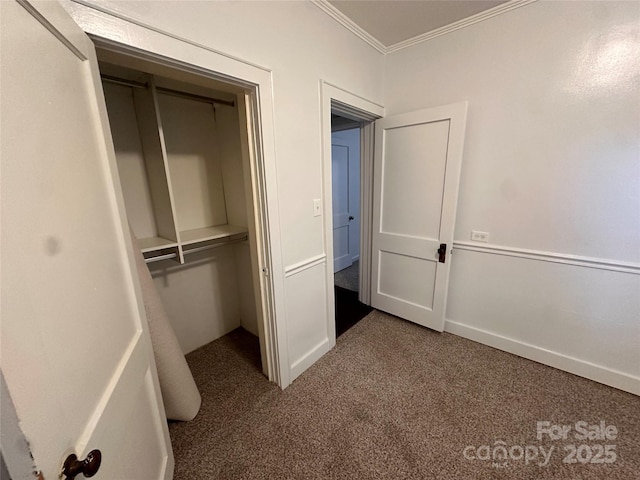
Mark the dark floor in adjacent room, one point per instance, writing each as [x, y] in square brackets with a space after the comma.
[349, 310]
[394, 401]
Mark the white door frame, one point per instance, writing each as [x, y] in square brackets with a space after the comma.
[130, 37]
[357, 108]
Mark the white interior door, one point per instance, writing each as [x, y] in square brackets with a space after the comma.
[340, 177]
[76, 353]
[416, 174]
[345, 171]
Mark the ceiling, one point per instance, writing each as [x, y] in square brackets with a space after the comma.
[395, 21]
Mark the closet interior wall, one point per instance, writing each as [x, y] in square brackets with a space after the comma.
[181, 172]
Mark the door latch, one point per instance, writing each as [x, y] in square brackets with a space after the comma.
[442, 252]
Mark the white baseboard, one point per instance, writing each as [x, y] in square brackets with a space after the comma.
[597, 373]
[309, 359]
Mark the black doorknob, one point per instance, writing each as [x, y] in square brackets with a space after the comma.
[350, 218]
[87, 467]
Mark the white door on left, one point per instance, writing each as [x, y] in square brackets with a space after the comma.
[76, 353]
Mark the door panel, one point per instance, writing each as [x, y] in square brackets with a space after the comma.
[74, 343]
[130, 452]
[398, 274]
[416, 175]
[409, 180]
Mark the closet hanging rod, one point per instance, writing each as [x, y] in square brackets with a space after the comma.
[215, 245]
[168, 91]
[193, 96]
[160, 257]
[122, 81]
[224, 243]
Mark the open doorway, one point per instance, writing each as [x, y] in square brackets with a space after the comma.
[337, 102]
[346, 160]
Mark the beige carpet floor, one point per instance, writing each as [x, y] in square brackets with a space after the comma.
[397, 401]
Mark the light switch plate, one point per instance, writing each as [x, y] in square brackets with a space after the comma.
[317, 207]
[479, 236]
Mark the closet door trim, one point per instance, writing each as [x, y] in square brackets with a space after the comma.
[112, 32]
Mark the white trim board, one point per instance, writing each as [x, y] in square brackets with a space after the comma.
[465, 22]
[354, 28]
[553, 257]
[582, 368]
[361, 109]
[351, 105]
[349, 24]
[299, 267]
[146, 26]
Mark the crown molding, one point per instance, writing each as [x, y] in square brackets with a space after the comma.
[349, 24]
[465, 22]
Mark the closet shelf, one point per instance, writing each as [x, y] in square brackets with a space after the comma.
[198, 235]
[152, 244]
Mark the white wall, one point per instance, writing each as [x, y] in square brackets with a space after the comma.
[551, 161]
[301, 45]
[552, 164]
[201, 297]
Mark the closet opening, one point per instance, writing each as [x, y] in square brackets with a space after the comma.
[189, 167]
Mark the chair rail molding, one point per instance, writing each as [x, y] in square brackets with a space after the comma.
[306, 264]
[553, 257]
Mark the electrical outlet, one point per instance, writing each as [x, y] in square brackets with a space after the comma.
[479, 236]
[317, 207]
